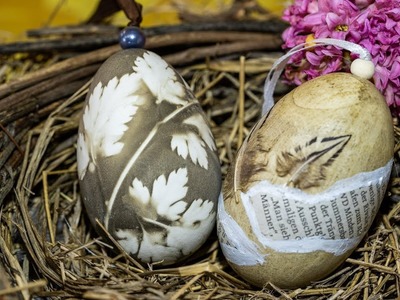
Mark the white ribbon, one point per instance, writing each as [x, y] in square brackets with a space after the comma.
[279, 65]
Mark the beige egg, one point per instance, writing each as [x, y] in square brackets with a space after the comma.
[147, 161]
[307, 182]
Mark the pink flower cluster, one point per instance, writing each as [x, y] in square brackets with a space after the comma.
[374, 25]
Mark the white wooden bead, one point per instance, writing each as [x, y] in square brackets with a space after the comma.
[362, 68]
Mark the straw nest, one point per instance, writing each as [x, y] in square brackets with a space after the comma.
[48, 248]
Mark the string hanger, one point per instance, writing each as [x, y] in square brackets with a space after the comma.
[362, 66]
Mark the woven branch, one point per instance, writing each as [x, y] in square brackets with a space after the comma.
[88, 37]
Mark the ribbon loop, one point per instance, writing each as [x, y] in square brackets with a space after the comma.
[279, 65]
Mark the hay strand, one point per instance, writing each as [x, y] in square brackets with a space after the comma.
[28, 286]
[241, 100]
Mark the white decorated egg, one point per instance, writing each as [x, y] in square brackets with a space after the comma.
[147, 162]
[307, 182]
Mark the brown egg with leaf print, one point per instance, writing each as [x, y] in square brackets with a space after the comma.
[307, 182]
[147, 161]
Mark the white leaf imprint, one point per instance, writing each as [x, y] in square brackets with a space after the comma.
[160, 79]
[198, 211]
[190, 238]
[150, 248]
[165, 200]
[108, 110]
[169, 228]
[128, 240]
[153, 248]
[193, 143]
[167, 194]
[168, 243]
[139, 192]
[198, 121]
[82, 156]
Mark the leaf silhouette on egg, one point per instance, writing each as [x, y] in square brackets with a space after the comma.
[160, 79]
[192, 143]
[104, 120]
[165, 199]
[306, 165]
[148, 245]
[168, 225]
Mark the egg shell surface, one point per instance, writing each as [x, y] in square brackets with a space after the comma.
[307, 182]
[147, 162]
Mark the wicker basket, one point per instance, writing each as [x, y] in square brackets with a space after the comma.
[48, 248]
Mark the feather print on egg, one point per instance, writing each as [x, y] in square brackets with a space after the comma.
[147, 160]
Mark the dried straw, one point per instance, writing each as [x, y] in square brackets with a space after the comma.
[49, 249]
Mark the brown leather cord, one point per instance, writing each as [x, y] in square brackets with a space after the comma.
[106, 8]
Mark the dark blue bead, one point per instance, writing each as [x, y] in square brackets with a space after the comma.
[131, 37]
